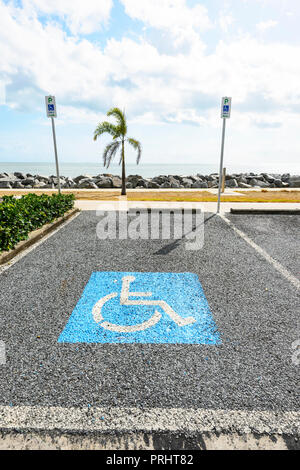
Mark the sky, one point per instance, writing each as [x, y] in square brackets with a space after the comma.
[167, 63]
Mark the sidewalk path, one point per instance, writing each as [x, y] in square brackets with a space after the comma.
[205, 206]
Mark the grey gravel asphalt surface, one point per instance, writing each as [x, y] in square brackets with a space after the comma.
[256, 311]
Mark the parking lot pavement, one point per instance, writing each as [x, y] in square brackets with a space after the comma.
[278, 235]
[254, 309]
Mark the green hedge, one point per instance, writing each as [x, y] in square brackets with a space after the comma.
[18, 217]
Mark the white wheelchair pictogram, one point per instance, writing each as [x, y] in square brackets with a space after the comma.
[124, 300]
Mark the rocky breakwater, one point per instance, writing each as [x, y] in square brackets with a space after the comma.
[19, 180]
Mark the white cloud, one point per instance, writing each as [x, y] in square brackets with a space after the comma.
[45, 59]
[225, 21]
[168, 14]
[264, 25]
[81, 16]
[172, 16]
[39, 59]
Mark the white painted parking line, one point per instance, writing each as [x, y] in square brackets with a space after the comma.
[2, 353]
[35, 245]
[149, 420]
[281, 269]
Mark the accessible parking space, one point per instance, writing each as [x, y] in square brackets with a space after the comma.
[148, 323]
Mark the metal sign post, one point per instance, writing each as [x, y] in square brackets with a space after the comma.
[51, 112]
[225, 114]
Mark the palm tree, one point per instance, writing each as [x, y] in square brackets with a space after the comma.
[118, 133]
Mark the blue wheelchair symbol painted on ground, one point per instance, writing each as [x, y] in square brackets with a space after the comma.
[136, 307]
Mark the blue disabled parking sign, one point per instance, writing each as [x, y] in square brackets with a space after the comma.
[141, 307]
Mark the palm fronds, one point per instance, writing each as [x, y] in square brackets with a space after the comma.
[104, 127]
[137, 146]
[120, 117]
[109, 152]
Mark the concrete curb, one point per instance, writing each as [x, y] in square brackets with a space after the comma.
[135, 440]
[35, 236]
[149, 428]
[266, 211]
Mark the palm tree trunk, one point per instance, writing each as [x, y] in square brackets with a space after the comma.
[123, 193]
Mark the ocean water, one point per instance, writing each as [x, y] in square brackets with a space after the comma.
[94, 168]
[89, 168]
